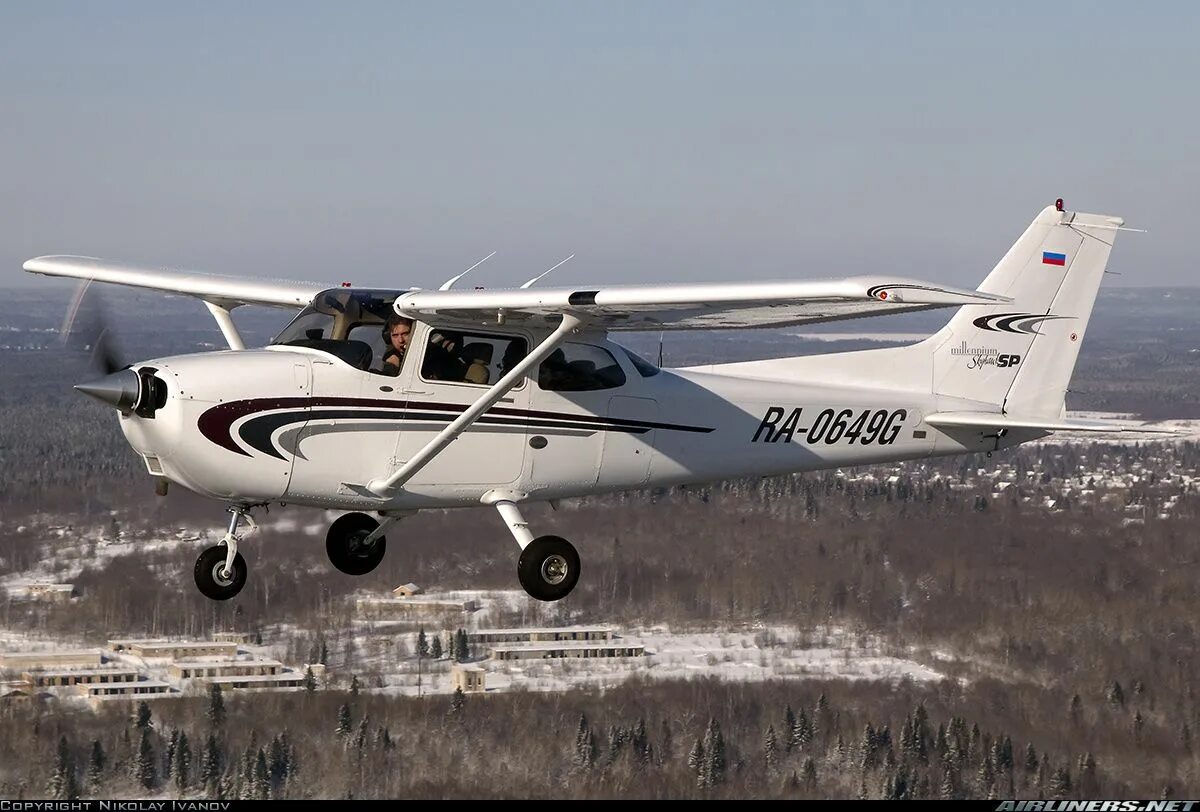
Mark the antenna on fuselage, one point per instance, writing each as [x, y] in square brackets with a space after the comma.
[449, 283]
[531, 282]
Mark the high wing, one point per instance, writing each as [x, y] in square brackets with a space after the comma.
[223, 291]
[692, 306]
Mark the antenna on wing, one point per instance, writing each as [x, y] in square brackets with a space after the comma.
[531, 282]
[449, 283]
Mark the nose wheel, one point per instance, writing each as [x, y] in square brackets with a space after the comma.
[220, 571]
[355, 543]
[212, 577]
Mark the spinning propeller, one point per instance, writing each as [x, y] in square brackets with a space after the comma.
[86, 325]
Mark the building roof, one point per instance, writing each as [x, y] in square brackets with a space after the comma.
[545, 629]
[560, 645]
[224, 663]
[80, 672]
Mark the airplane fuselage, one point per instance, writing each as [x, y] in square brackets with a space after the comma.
[297, 425]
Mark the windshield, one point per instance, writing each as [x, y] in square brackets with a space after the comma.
[343, 322]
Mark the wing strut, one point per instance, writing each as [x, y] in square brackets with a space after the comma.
[220, 312]
[388, 485]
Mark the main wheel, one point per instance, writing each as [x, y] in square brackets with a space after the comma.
[211, 578]
[548, 568]
[347, 547]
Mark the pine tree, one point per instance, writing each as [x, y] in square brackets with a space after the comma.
[63, 784]
[142, 715]
[344, 722]
[211, 763]
[1139, 722]
[169, 756]
[1076, 709]
[323, 655]
[262, 780]
[866, 748]
[216, 706]
[947, 790]
[462, 649]
[695, 757]
[310, 680]
[144, 767]
[457, 702]
[789, 728]
[712, 772]
[642, 751]
[360, 739]
[422, 644]
[1031, 759]
[771, 750]
[96, 765]
[435, 648]
[1116, 696]
[354, 685]
[1060, 783]
[183, 763]
[987, 776]
[809, 771]
[803, 734]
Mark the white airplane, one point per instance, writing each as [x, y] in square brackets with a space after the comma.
[510, 396]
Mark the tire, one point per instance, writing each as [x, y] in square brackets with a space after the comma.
[548, 568]
[208, 576]
[344, 544]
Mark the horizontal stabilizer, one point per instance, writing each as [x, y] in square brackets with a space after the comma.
[996, 421]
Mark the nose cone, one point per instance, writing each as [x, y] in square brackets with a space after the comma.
[119, 390]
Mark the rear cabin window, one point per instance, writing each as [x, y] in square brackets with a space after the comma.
[580, 368]
[468, 357]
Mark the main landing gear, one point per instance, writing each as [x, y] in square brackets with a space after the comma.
[220, 571]
[548, 568]
[356, 544]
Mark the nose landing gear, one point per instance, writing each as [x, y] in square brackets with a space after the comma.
[220, 571]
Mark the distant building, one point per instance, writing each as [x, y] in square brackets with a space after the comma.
[198, 669]
[24, 661]
[407, 591]
[470, 678]
[487, 637]
[179, 650]
[82, 676]
[290, 679]
[138, 688]
[56, 593]
[245, 638]
[127, 643]
[565, 650]
[413, 608]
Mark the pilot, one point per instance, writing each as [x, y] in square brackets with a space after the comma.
[396, 335]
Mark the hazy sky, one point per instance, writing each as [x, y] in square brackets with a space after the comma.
[397, 143]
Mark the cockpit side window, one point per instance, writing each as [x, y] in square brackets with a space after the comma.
[345, 323]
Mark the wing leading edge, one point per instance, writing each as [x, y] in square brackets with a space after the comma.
[736, 305]
[223, 290]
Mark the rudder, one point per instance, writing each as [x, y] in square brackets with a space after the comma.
[1020, 355]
